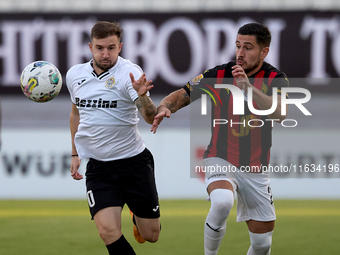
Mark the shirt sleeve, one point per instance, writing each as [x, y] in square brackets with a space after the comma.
[69, 85]
[199, 85]
[279, 81]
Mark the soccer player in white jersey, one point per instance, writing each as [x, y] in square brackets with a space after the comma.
[103, 121]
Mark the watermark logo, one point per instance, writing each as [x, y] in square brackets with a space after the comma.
[239, 96]
[204, 98]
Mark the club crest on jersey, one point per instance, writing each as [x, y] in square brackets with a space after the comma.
[264, 88]
[110, 82]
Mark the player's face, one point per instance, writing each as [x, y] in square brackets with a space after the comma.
[249, 54]
[105, 52]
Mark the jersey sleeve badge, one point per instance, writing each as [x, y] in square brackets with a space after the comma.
[196, 80]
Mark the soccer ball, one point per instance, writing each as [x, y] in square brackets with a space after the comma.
[41, 81]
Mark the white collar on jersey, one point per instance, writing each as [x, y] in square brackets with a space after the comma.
[107, 72]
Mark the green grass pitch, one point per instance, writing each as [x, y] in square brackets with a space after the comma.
[64, 227]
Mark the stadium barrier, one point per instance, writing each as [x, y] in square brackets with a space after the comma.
[34, 164]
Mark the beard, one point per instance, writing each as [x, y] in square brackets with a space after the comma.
[252, 67]
[103, 67]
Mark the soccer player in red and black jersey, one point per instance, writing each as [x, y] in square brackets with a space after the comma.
[246, 143]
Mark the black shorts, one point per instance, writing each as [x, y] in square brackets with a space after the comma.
[128, 181]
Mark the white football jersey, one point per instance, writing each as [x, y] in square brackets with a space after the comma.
[108, 116]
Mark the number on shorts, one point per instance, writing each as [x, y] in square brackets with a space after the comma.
[90, 198]
[271, 195]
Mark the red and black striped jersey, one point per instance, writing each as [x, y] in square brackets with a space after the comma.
[246, 139]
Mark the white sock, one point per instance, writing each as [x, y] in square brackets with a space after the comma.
[222, 200]
[260, 243]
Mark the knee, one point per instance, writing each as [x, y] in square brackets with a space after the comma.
[108, 234]
[222, 200]
[151, 235]
[261, 243]
[223, 207]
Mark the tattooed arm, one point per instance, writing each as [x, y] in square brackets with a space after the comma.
[170, 104]
[146, 108]
[175, 101]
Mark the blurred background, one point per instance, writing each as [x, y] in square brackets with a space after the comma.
[173, 41]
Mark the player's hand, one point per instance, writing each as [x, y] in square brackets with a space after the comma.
[75, 163]
[142, 85]
[241, 77]
[162, 112]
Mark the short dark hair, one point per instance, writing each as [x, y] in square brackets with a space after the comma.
[261, 32]
[103, 29]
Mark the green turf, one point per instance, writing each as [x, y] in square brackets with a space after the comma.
[64, 227]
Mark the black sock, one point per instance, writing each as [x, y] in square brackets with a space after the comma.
[120, 247]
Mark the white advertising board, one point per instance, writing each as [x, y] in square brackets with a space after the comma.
[34, 164]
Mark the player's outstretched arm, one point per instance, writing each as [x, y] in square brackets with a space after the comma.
[170, 104]
[75, 162]
[144, 103]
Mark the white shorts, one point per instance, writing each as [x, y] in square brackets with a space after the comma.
[254, 197]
